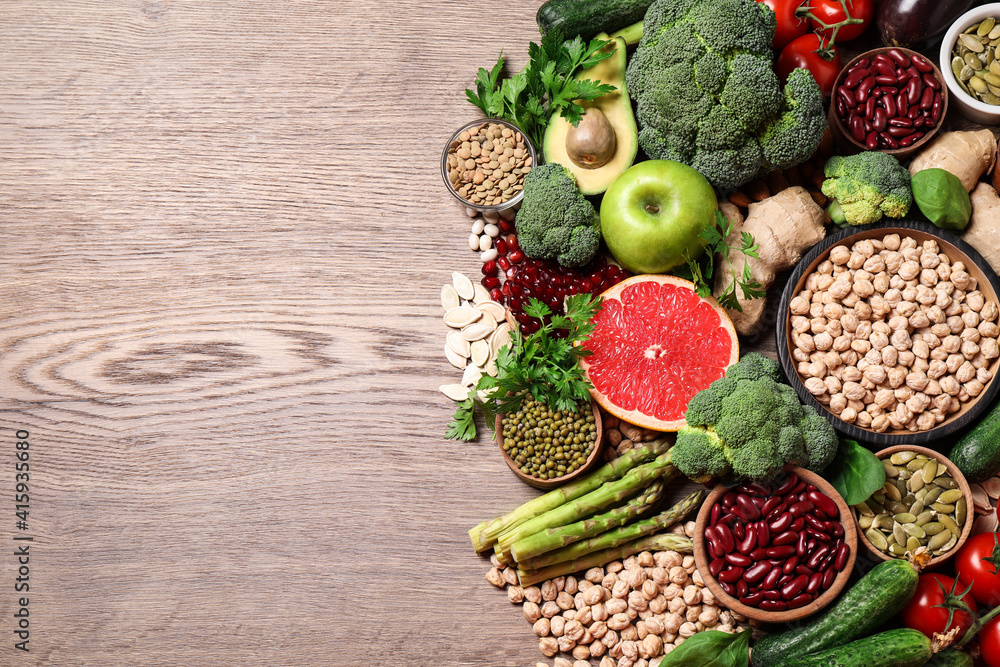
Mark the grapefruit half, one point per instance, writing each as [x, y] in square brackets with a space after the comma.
[656, 343]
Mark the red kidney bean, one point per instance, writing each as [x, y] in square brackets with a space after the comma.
[742, 588]
[728, 587]
[800, 487]
[864, 88]
[802, 546]
[758, 554]
[725, 535]
[815, 582]
[798, 524]
[843, 553]
[738, 559]
[737, 512]
[827, 562]
[773, 605]
[751, 488]
[864, 62]
[753, 599]
[790, 565]
[871, 141]
[782, 523]
[870, 107]
[802, 569]
[855, 77]
[777, 511]
[913, 112]
[899, 57]
[739, 532]
[851, 101]
[769, 505]
[749, 541]
[717, 566]
[822, 537]
[828, 578]
[794, 587]
[868, 125]
[900, 122]
[883, 80]
[731, 576]
[912, 139]
[902, 103]
[716, 513]
[780, 552]
[902, 76]
[889, 90]
[800, 600]
[763, 534]
[921, 64]
[927, 98]
[815, 523]
[912, 71]
[834, 528]
[729, 499]
[899, 131]
[914, 89]
[824, 503]
[751, 511]
[756, 572]
[817, 557]
[889, 104]
[772, 595]
[771, 579]
[931, 82]
[937, 108]
[790, 482]
[787, 537]
[729, 519]
[886, 68]
[785, 579]
[878, 122]
[884, 59]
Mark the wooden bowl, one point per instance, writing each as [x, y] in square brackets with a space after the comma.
[702, 559]
[588, 465]
[956, 474]
[951, 245]
[842, 134]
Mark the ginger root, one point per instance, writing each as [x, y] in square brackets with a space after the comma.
[784, 226]
[968, 155]
[983, 232]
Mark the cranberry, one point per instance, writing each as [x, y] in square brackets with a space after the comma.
[489, 268]
[501, 247]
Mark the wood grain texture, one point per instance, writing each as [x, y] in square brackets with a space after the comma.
[222, 237]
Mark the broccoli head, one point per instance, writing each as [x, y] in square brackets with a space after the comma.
[706, 93]
[747, 425]
[555, 220]
[865, 187]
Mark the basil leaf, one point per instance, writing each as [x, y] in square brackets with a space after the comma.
[941, 196]
[711, 648]
[856, 473]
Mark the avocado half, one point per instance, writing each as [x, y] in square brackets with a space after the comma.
[617, 110]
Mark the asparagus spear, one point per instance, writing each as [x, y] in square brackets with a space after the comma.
[659, 542]
[485, 534]
[606, 495]
[561, 536]
[618, 536]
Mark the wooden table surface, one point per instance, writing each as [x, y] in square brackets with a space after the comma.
[222, 238]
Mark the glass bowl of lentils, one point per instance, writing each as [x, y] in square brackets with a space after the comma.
[484, 164]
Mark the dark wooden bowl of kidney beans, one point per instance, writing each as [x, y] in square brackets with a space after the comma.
[892, 100]
[776, 552]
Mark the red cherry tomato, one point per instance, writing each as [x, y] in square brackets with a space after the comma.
[790, 26]
[989, 642]
[973, 566]
[802, 52]
[921, 614]
[831, 12]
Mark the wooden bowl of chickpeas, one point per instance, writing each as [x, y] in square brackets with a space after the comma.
[891, 332]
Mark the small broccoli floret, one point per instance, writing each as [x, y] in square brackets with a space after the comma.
[555, 220]
[865, 187]
[698, 453]
[704, 408]
[754, 366]
[746, 413]
[706, 94]
[757, 460]
[820, 439]
[791, 446]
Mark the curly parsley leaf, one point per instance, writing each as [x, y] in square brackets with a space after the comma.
[716, 236]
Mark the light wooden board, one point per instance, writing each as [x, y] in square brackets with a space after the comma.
[222, 237]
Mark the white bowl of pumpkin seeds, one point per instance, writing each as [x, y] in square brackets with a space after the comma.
[970, 64]
[926, 502]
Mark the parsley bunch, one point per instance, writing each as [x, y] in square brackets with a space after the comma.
[544, 365]
[544, 86]
[716, 237]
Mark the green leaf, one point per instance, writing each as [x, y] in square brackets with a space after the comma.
[856, 472]
[463, 424]
[941, 197]
[711, 648]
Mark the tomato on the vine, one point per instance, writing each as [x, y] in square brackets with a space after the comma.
[989, 642]
[921, 614]
[807, 52]
[790, 26]
[831, 12]
[978, 563]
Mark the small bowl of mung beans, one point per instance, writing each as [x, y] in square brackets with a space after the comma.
[547, 448]
[484, 164]
[925, 502]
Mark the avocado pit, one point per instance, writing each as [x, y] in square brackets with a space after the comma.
[592, 143]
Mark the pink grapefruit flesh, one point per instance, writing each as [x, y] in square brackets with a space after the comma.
[656, 343]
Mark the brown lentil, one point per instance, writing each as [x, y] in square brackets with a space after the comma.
[487, 164]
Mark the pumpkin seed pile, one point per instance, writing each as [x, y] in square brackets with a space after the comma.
[481, 331]
[921, 505]
[976, 61]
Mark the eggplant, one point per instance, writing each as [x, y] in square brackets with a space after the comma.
[915, 23]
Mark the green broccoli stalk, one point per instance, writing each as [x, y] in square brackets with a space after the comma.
[555, 220]
[748, 424]
[866, 186]
[706, 93]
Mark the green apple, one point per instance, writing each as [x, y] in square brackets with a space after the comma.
[653, 214]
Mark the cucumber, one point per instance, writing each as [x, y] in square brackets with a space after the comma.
[876, 598]
[977, 453]
[589, 17]
[950, 658]
[892, 648]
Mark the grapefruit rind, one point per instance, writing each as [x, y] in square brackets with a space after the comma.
[677, 343]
